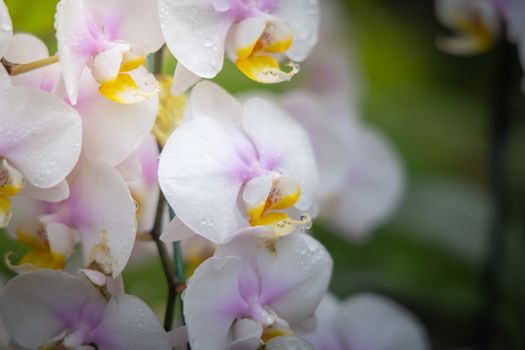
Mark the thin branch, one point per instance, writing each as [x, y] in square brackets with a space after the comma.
[17, 69]
[174, 286]
[157, 61]
[500, 121]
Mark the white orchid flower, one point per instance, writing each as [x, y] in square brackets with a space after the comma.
[99, 212]
[112, 38]
[53, 310]
[231, 166]
[255, 289]
[475, 24]
[366, 321]
[254, 35]
[40, 138]
[363, 182]
[112, 132]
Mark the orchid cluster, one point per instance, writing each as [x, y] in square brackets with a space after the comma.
[92, 145]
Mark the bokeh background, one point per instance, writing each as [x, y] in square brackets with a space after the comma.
[436, 110]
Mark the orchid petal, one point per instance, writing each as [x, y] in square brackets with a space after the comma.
[5, 79]
[138, 22]
[183, 80]
[325, 336]
[61, 241]
[129, 324]
[288, 343]
[327, 136]
[373, 188]
[282, 144]
[145, 189]
[294, 272]
[34, 316]
[209, 316]
[41, 135]
[130, 168]
[198, 159]
[303, 18]
[244, 36]
[112, 132]
[54, 194]
[195, 33]
[109, 227]
[106, 65]
[209, 99]
[255, 195]
[6, 28]
[75, 42]
[26, 48]
[176, 231]
[377, 323]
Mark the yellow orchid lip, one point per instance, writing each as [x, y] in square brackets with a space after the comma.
[473, 36]
[124, 90]
[256, 60]
[269, 213]
[11, 182]
[274, 331]
[266, 69]
[41, 255]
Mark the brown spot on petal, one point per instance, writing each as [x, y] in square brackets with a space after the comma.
[270, 245]
[100, 255]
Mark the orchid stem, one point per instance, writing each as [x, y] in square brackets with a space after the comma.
[177, 255]
[157, 61]
[17, 69]
[500, 121]
[174, 285]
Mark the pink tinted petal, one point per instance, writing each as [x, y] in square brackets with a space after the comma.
[212, 303]
[75, 28]
[129, 324]
[54, 194]
[40, 135]
[295, 276]
[34, 316]
[148, 153]
[198, 159]
[283, 145]
[377, 323]
[104, 216]
[246, 246]
[130, 168]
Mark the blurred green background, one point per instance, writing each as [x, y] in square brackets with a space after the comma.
[435, 109]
